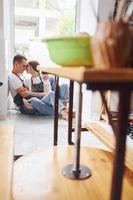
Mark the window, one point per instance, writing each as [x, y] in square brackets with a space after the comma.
[27, 4]
[37, 19]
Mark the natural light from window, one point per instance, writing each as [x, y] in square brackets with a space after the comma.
[36, 19]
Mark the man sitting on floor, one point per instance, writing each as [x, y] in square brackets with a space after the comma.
[28, 101]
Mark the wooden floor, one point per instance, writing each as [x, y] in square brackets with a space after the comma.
[6, 161]
[38, 176]
[109, 140]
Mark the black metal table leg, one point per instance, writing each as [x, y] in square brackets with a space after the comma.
[75, 170]
[120, 145]
[56, 110]
[71, 90]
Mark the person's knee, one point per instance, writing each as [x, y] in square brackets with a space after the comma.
[34, 101]
[52, 94]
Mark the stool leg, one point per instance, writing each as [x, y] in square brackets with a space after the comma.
[75, 170]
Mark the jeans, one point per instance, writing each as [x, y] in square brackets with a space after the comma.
[28, 111]
[63, 89]
[45, 106]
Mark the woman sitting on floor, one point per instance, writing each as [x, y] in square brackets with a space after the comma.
[42, 83]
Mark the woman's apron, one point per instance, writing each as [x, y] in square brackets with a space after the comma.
[37, 87]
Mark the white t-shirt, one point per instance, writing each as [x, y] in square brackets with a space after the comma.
[36, 80]
[14, 83]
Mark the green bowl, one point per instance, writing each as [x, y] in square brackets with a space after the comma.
[70, 51]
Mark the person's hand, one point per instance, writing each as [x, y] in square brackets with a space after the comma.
[45, 77]
[25, 93]
[27, 104]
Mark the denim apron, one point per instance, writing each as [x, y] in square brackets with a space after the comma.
[37, 87]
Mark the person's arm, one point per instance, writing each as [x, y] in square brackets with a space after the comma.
[17, 85]
[47, 86]
[46, 81]
[27, 93]
[22, 91]
[45, 76]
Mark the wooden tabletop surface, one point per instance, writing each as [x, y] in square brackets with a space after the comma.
[84, 74]
[39, 176]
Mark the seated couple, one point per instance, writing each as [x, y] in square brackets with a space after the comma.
[35, 95]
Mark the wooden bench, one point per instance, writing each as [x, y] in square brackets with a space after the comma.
[6, 161]
[107, 137]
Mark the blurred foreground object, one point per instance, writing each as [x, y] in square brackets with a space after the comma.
[112, 44]
[71, 51]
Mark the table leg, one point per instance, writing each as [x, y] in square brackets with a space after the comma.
[56, 110]
[120, 145]
[71, 89]
[75, 170]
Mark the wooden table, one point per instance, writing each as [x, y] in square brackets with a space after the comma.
[91, 75]
[102, 80]
[38, 176]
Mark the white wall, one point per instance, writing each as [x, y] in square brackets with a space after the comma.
[3, 88]
[89, 11]
[6, 52]
[87, 19]
[105, 9]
